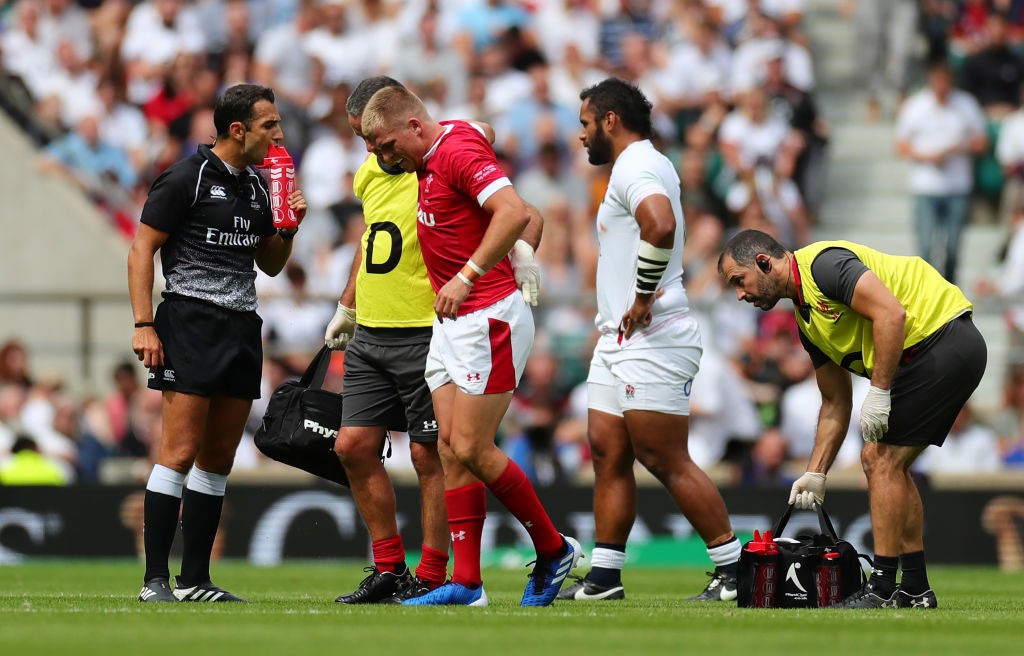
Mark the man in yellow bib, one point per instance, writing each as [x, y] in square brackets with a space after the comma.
[898, 322]
[386, 338]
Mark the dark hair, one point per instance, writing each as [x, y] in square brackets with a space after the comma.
[235, 105]
[939, 64]
[361, 95]
[748, 244]
[24, 443]
[625, 100]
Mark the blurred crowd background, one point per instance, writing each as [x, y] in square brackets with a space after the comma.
[113, 92]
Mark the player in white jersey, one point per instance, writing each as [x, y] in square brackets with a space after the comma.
[638, 390]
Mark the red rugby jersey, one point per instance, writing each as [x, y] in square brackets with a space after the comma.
[459, 173]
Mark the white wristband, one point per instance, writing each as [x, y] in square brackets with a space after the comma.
[464, 279]
[473, 265]
[651, 263]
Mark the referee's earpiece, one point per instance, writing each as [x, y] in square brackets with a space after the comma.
[764, 263]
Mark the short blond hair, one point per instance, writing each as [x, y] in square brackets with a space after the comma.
[391, 107]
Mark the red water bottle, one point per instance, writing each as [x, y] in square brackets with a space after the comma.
[829, 580]
[766, 570]
[281, 169]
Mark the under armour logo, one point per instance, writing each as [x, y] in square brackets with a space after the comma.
[791, 576]
[528, 524]
[471, 377]
[430, 425]
[461, 535]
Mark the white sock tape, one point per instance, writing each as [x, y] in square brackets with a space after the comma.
[206, 483]
[165, 480]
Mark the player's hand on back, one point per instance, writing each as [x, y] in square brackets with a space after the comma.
[639, 316]
[449, 298]
[148, 347]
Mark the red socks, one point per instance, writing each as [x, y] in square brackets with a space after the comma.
[467, 508]
[514, 491]
[389, 554]
[433, 567]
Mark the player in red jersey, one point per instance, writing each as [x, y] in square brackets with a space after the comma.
[469, 219]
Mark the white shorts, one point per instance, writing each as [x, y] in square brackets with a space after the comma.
[657, 379]
[483, 352]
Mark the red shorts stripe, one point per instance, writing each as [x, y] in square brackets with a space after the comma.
[503, 371]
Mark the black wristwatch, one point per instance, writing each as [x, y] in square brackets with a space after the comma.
[287, 235]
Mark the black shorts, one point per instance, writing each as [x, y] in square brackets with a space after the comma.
[384, 384]
[934, 383]
[208, 349]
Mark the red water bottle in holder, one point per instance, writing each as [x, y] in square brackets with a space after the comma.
[281, 169]
[766, 570]
[829, 580]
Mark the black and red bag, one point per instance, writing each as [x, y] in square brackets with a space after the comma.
[808, 571]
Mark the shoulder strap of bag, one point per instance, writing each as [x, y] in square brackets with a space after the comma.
[313, 377]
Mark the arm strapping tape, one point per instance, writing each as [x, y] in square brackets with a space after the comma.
[651, 263]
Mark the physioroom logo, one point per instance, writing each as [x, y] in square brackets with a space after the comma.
[791, 576]
[311, 425]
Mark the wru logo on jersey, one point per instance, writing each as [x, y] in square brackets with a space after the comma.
[426, 218]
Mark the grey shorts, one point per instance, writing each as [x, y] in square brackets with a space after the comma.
[384, 384]
[935, 379]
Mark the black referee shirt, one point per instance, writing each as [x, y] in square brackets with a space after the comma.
[215, 222]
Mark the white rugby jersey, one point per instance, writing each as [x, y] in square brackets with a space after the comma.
[640, 171]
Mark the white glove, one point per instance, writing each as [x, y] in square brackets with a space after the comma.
[874, 414]
[341, 327]
[808, 490]
[526, 270]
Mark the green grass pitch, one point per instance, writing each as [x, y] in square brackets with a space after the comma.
[89, 607]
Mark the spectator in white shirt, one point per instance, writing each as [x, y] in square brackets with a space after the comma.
[940, 129]
[762, 150]
[971, 448]
[25, 53]
[798, 420]
[720, 410]
[157, 31]
[282, 63]
[750, 56]
[64, 20]
[1010, 154]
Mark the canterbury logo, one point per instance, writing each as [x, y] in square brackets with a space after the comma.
[791, 576]
[311, 425]
[218, 192]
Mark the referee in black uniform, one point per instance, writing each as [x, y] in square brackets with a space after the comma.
[209, 216]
